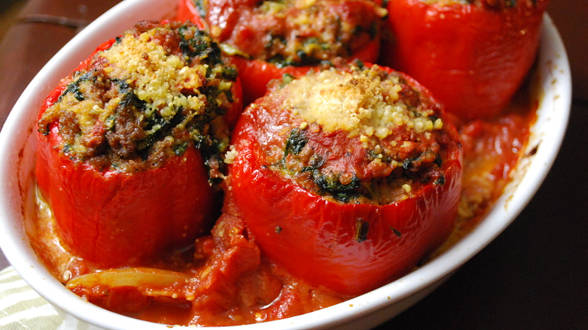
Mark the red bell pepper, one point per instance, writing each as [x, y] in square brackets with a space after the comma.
[111, 217]
[224, 16]
[347, 247]
[473, 57]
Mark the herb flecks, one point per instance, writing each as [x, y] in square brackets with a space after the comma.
[361, 230]
[331, 185]
[74, 87]
[396, 232]
[286, 79]
[197, 44]
[440, 180]
[179, 149]
[295, 142]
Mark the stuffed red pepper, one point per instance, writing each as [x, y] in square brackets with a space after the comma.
[347, 178]
[271, 38]
[472, 55]
[126, 143]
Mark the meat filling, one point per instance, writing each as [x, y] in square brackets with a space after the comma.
[155, 92]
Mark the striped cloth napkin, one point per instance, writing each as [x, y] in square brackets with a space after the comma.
[22, 308]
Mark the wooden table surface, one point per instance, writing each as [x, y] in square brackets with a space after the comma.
[533, 276]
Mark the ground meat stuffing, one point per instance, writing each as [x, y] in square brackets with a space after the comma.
[364, 135]
[298, 32]
[158, 90]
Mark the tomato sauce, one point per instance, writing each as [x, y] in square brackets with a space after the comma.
[492, 148]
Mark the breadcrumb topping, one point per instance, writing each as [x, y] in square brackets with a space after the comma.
[362, 102]
[158, 90]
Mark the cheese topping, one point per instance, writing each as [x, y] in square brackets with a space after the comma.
[363, 103]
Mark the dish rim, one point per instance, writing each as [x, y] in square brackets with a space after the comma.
[20, 255]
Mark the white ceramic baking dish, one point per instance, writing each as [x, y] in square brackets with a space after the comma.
[17, 149]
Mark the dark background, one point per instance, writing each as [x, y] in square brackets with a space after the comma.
[533, 276]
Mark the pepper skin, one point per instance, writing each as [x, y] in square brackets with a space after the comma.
[472, 57]
[346, 247]
[114, 218]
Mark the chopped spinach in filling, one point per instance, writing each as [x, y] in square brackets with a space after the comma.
[157, 91]
[297, 33]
